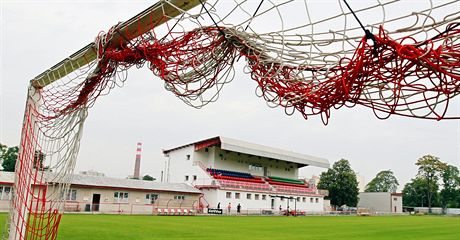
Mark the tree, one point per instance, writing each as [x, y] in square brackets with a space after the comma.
[384, 181]
[430, 169]
[451, 187]
[8, 157]
[340, 181]
[39, 157]
[148, 178]
[414, 193]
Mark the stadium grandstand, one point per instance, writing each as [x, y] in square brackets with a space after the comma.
[259, 178]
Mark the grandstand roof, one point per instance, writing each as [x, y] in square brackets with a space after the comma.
[108, 182]
[234, 145]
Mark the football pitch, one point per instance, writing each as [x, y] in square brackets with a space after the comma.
[92, 227]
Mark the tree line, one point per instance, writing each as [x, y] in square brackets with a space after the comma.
[437, 184]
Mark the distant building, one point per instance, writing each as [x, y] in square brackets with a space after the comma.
[260, 178]
[6, 186]
[381, 202]
[90, 193]
[313, 181]
[361, 182]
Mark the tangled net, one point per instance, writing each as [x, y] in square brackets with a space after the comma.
[404, 76]
[409, 67]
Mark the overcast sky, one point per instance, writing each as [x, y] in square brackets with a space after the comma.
[36, 36]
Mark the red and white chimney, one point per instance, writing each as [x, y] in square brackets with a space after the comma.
[137, 165]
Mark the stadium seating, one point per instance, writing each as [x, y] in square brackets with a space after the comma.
[233, 179]
[228, 173]
[286, 180]
[240, 180]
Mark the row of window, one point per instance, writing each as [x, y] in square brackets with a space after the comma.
[187, 177]
[264, 197]
[5, 193]
[71, 195]
[248, 196]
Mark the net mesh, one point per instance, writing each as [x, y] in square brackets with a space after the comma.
[303, 58]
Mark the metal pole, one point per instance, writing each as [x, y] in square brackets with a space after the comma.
[143, 22]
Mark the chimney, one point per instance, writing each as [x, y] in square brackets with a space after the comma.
[137, 165]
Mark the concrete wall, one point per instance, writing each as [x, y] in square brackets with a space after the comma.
[240, 162]
[214, 157]
[380, 202]
[181, 166]
[5, 197]
[253, 205]
[135, 204]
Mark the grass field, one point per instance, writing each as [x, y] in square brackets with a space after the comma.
[103, 227]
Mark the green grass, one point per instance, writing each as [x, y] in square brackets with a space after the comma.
[92, 227]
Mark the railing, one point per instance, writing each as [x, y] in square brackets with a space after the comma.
[301, 190]
[205, 182]
[199, 164]
[244, 185]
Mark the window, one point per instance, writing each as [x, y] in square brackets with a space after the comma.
[298, 199]
[317, 200]
[395, 199]
[188, 157]
[304, 199]
[237, 195]
[248, 196]
[151, 198]
[194, 177]
[179, 197]
[228, 195]
[5, 193]
[311, 200]
[255, 167]
[121, 196]
[264, 197]
[282, 199]
[186, 177]
[291, 199]
[256, 196]
[206, 150]
[70, 195]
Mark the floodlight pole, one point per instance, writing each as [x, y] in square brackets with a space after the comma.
[143, 22]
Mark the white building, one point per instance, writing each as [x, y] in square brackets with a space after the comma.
[381, 202]
[88, 193]
[260, 178]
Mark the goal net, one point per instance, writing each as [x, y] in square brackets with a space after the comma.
[311, 57]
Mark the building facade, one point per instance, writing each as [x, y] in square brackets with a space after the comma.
[381, 202]
[232, 172]
[118, 196]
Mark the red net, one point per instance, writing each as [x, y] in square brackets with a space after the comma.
[404, 77]
[403, 72]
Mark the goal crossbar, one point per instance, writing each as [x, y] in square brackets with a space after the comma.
[148, 19]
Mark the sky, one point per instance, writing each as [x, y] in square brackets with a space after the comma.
[35, 36]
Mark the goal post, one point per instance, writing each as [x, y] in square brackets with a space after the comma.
[403, 63]
[148, 19]
[35, 207]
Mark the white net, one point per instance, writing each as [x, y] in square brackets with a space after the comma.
[306, 56]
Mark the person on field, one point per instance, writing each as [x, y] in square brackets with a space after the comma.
[218, 205]
[229, 208]
[238, 209]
